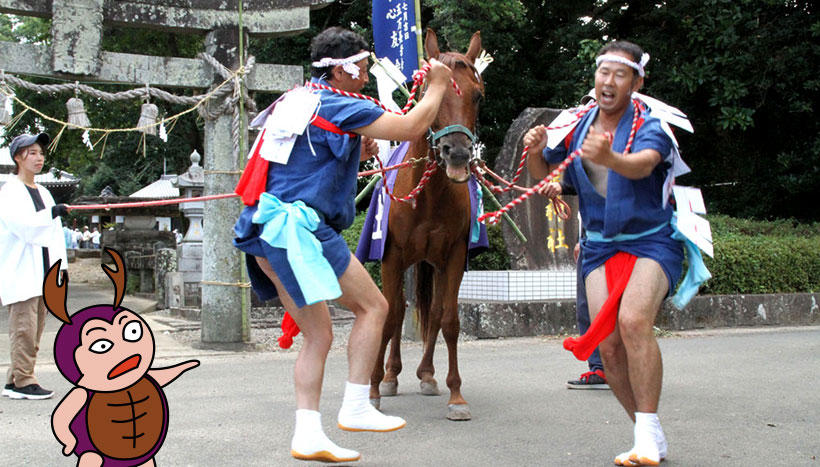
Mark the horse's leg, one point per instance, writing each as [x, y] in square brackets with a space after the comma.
[392, 282]
[392, 329]
[430, 317]
[390, 383]
[457, 408]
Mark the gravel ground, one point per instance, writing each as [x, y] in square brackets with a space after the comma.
[88, 271]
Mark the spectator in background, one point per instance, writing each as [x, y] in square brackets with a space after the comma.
[95, 239]
[32, 239]
[86, 239]
[67, 236]
[76, 237]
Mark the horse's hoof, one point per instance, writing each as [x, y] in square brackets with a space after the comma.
[389, 388]
[458, 412]
[376, 403]
[429, 388]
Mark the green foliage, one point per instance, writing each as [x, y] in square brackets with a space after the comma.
[745, 71]
[351, 236]
[496, 258]
[724, 226]
[24, 29]
[763, 257]
[764, 264]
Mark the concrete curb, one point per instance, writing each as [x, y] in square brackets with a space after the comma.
[519, 319]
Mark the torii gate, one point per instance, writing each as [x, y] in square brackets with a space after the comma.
[77, 29]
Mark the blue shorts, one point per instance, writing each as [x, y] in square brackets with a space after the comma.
[334, 249]
[660, 247]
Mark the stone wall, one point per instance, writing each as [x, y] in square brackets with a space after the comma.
[493, 320]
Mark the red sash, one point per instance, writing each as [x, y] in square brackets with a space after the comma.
[618, 271]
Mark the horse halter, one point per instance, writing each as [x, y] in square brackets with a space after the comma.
[434, 137]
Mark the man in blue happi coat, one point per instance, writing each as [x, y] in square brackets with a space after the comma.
[623, 213]
[291, 227]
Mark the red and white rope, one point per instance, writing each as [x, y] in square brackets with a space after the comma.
[494, 217]
[142, 204]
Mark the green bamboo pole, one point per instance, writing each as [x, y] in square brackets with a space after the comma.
[495, 205]
[368, 187]
[246, 305]
[419, 45]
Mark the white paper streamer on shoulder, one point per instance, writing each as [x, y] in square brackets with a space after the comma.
[289, 119]
[483, 61]
[665, 112]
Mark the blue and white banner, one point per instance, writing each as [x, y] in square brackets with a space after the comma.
[394, 33]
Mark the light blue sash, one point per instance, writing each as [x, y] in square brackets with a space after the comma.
[697, 273]
[599, 237]
[289, 226]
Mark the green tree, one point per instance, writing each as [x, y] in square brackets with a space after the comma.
[743, 70]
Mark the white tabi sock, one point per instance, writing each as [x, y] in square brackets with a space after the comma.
[310, 442]
[357, 414]
[646, 450]
[648, 422]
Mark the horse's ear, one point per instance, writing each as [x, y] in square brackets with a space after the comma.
[475, 47]
[431, 44]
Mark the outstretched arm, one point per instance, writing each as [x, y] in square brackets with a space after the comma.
[167, 375]
[413, 124]
[61, 419]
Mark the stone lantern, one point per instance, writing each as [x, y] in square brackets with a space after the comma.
[189, 252]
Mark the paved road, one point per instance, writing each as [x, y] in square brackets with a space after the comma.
[732, 397]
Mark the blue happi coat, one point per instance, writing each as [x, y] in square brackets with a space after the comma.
[632, 217]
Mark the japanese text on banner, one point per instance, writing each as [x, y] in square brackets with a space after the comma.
[394, 33]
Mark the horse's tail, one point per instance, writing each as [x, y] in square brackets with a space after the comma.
[424, 296]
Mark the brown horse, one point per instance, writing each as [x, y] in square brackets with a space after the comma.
[434, 235]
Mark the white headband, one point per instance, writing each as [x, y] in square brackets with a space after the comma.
[619, 59]
[348, 64]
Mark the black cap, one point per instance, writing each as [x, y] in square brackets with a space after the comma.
[24, 141]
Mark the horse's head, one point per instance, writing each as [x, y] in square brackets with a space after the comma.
[453, 137]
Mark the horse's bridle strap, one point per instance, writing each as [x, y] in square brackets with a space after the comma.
[453, 129]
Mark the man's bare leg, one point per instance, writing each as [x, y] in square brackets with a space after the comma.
[632, 358]
[613, 352]
[309, 441]
[640, 305]
[363, 298]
